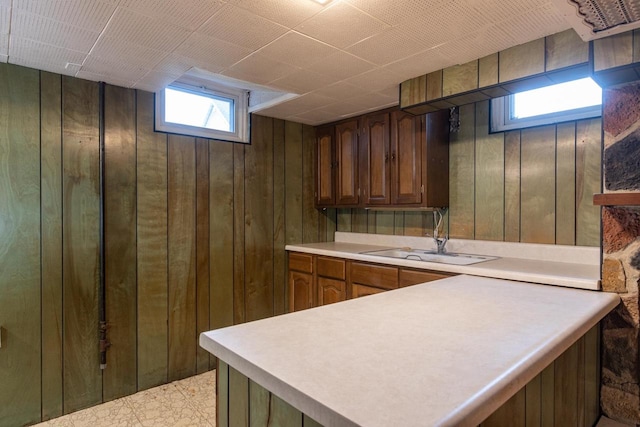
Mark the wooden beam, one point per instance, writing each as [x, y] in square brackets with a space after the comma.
[617, 199]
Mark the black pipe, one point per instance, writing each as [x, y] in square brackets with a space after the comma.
[102, 306]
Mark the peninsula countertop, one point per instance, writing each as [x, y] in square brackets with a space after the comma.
[570, 266]
[443, 353]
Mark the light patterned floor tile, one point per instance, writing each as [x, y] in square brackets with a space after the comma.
[201, 393]
[184, 403]
[117, 413]
[165, 406]
[64, 421]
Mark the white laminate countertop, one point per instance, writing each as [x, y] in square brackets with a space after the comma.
[444, 353]
[570, 266]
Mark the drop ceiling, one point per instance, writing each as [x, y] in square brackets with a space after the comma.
[343, 59]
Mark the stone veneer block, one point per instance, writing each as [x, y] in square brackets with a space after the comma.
[488, 70]
[622, 163]
[613, 51]
[620, 405]
[620, 227]
[522, 61]
[460, 78]
[613, 276]
[621, 108]
[565, 49]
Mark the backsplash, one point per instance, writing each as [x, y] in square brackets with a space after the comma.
[533, 185]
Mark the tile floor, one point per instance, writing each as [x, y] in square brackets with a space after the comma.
[189, 402]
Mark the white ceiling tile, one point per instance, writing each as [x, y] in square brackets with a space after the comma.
[35, 27]
[41, 65]
[285, 12]
[388, 46]
[188, 14]
[376, 80]
[309, 101]
[90, 15]
[211, 54]
[307, 50]
[476, 45]
[173, 64]
[340, 65]
[112, 50]
[421, 63]
[4, 44]
[259, 69]
[301, 81]
[105, 78]
[6, 3]
[135, 28]
[4, 58]
[398, 11]
[339, 90]
[153, 81]
[314, 117]
[341, 25]
[497, 11]
[40, 52]
[5, 20]
[373, 99]
[241, 27]
[542, 22]
[391, 92]
[119, 70]
[341, 108]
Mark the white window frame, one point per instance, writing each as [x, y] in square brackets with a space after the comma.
[502, 115]
[240, 113]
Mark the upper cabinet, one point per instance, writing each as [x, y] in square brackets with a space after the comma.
[346, 174]
[384, 159]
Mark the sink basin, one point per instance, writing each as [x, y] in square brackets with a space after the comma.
[431, 256]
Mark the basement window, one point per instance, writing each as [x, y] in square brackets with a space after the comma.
[206, 112]
[573, 100]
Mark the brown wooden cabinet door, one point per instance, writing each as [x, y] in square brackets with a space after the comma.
[375, 160]
[358, 291]
[407, 172]
[300, 291]
[325, 187]
[330, 291]
[414, 277]
[347, 163]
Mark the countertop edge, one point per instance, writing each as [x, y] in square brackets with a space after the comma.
[471, 270]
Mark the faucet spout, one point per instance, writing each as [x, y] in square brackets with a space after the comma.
[441, 243]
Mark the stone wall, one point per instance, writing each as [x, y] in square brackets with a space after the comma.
[620, 392]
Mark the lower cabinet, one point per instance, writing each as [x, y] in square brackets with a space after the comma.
[316, 280]
[331, 290]
[358, 291]
[301, 282]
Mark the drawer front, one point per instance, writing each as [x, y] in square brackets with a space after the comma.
[301, 262]
[358, 291]
[374, 275]
[331, 267]
[413, 277]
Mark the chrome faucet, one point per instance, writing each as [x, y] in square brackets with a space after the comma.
[441, 242]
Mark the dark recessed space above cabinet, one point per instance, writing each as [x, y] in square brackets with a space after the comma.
[386, 159]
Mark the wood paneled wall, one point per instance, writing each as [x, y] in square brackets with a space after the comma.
[195, 231]
[533, 185]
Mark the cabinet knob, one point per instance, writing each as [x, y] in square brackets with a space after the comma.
[393, 155]
[386, 157]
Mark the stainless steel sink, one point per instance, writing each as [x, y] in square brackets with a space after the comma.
[431, 256]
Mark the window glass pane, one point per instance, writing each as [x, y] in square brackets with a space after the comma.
[210, 112]
[561, 97]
